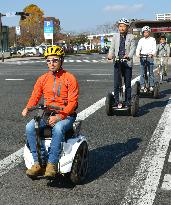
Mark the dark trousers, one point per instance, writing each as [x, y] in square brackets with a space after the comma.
[126, 71]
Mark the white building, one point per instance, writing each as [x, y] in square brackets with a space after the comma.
[166, 16]
[95, 39]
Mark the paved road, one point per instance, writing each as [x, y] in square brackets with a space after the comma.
[118, 144]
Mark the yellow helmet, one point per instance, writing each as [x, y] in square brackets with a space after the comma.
[54, 51]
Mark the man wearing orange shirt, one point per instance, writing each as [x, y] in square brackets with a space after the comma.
[59, 88]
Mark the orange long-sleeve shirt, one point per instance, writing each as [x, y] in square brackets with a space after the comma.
[60, 89]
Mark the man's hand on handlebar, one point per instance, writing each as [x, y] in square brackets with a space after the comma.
[53, 120]
[150, 56]
[24, 112]
[126, 57]
[110, 58]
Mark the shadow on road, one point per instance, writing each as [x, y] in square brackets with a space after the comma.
[155, 104]
[104, 158]
[101, 160]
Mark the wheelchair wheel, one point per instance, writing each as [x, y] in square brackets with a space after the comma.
[80, 164]
[109, 103]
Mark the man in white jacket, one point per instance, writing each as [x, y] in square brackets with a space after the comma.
[146, 46]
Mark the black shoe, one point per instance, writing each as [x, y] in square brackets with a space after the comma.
[165, 74]
[127, 104]
[115, 104]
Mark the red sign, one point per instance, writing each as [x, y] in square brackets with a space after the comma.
[163, 29]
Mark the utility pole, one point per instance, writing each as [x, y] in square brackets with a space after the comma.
[1, 36]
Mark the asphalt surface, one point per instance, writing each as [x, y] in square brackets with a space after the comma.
[116, 143]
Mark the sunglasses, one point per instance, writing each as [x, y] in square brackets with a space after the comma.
[53, 60]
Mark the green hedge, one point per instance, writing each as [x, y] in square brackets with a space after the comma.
[88, 51]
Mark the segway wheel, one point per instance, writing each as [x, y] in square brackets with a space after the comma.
[134, 105]
[80, 164]
[156, 90]
[108, 104]
[137, 88]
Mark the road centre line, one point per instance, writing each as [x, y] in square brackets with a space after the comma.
[16, 158]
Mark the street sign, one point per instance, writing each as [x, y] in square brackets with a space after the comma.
[48, 29]
[18, 30]
[10, 14]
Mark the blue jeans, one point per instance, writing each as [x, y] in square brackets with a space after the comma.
[126, 71]
[150, 67]
[58, 133]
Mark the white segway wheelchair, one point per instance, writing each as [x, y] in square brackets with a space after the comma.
[74, 156]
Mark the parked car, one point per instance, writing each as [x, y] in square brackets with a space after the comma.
[13, 50]
[104, 50]
[81, 48]
[27, 51]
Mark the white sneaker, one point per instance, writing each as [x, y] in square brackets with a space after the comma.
[151, 89]
[142, 88]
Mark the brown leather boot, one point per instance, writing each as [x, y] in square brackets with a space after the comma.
[36, 170]
[51, 170]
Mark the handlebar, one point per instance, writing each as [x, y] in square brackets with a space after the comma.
[43, 107]
[121, 60]
[144, 56]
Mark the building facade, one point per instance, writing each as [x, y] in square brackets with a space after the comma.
[165, 16]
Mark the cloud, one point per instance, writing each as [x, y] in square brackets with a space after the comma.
[124, 8]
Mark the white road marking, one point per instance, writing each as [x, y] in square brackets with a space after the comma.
[12, 79]
[101, 74]
[143, 186]
[169, 160]
[66, 61]
[87, 61]
[94, 80]
[11, 161]
[166, 185]
[16, 158]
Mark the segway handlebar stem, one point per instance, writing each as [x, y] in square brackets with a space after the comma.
[44, 107]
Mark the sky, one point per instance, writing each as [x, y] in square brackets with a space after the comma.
[85, 15]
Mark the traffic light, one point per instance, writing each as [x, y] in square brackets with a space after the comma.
[22, 14]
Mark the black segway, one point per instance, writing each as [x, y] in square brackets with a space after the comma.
[110, 106]
[146, 90]
[162, 75]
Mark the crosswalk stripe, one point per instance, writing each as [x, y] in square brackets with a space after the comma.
[86, 61]
[66, 61]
